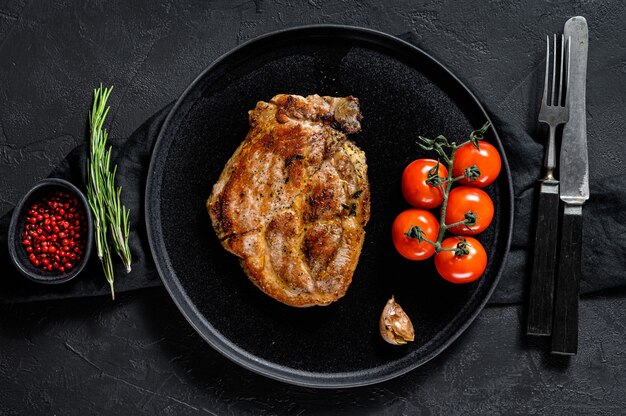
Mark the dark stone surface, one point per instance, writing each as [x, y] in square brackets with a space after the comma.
[138, 355]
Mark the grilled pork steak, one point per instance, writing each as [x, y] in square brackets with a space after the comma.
[293, 199]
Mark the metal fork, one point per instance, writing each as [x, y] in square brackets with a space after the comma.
[553, 113]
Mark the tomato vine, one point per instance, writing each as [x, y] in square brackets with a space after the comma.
[446, 151]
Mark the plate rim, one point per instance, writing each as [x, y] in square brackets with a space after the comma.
[264, 367]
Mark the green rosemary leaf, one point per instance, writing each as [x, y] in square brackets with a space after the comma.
[111, 218]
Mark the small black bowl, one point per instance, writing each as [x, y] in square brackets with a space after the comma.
[16, 227]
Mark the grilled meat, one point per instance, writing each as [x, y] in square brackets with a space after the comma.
[293, 199]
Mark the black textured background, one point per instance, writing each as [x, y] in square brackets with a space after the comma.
[138, 355]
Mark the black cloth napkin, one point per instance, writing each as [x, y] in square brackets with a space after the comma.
[604, 251]
[604, 221]
[133, 158]
[604, 228]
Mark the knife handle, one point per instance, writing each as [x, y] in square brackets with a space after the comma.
[540, 304]
[565, 325]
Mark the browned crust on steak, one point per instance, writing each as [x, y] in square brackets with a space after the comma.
[293, 199]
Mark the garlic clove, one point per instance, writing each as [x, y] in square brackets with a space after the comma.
[395, 326]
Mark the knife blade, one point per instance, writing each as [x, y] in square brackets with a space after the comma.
[574, 165]
[574, 178]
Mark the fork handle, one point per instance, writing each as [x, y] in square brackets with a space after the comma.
[540, 305]
[565, 326]
[550, 158]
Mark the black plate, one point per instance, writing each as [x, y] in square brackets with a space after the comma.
[403, 93]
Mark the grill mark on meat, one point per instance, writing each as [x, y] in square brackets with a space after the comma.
[289, 160]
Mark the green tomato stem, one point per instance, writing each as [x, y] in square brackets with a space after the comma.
[453, 179]
[447, 249]
[436, 144]
[446, 193]
[448, 226]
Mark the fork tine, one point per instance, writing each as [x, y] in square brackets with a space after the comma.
[545, 83]
[569, 48]
[561, 72]
[553, 72]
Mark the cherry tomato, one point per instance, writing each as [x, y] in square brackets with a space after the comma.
[411, 248]
[465, 268]
[487, 159]
[414, 187]
[466, 198]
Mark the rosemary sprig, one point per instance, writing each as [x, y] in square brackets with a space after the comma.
[119, 218]
[103, 196]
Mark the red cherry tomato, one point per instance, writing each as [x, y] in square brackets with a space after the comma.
[464, 199]
[487, 159]
[414, 187]
[411, 248]
[465, 268]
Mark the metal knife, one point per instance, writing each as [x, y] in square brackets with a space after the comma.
[574, 191]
